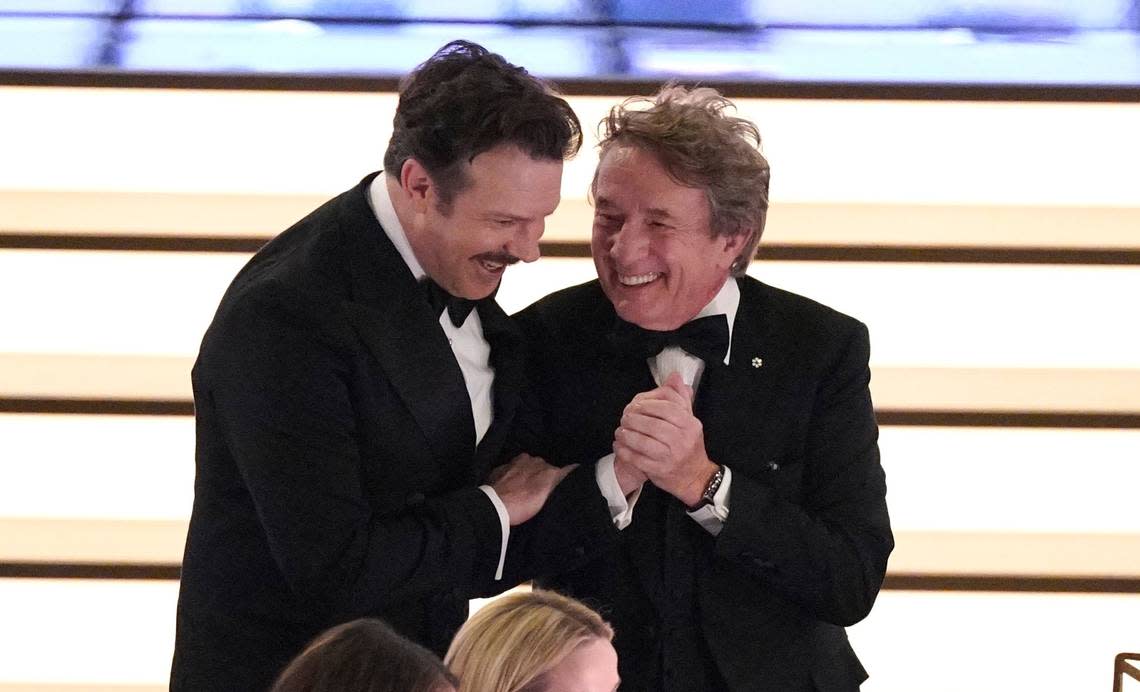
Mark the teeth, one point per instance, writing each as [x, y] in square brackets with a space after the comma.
[639, 279]
[493, 266]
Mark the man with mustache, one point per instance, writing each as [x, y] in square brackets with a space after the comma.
[732, 421]
[358, 382]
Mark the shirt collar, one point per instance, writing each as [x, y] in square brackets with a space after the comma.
[382, 206]
[725, 302]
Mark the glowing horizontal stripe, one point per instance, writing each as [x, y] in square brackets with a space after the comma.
[920, 315]
[116, 635]
[319, 143]
[88, 468]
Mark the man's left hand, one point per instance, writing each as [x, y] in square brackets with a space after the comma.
[660, 435]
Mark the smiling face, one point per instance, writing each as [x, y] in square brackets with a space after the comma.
[590, 667]
[656, 256]
[493, 222]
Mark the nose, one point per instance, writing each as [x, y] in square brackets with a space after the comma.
[525, 243]
[628, 244]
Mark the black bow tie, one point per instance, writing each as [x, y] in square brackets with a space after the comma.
[706, 338]
[457, 308]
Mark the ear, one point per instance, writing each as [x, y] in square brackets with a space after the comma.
[416, 184]
[733, 244]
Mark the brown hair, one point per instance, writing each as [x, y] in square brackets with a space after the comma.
[364, 655]
[701, 146]
[512, 641]
[465, 100]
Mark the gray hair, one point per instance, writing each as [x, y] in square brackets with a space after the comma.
[701, 146]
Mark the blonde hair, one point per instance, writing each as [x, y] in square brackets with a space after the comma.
[701, 145]
[512, 641]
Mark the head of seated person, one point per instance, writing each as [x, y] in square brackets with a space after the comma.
[538, 641]
[364, 655]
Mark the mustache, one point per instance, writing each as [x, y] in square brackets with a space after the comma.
[498, 257]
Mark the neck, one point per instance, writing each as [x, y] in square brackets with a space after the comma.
[407, 215]
[401, 204]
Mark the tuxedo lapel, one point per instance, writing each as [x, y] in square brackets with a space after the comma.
[622, 377]
[507, 358]
[395, 322]
[731, 397]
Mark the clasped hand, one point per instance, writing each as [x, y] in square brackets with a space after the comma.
[660, 440]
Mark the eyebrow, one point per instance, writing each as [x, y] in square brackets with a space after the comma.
[503, 215]
[603, 203]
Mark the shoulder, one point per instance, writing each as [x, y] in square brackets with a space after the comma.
[793, 307]
[298, 278]
[807, 326]
[577, 310]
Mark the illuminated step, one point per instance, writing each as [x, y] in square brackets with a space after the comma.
[920, 315]
[156, 378]
[119, 637]
[78, 687]
[318, 143]
[103, 541]
[260, 216]
[88, 467]
[1059, 555]
[148, 378]
[151, 213]
[1028, 554]
[120, 467]
[989, 642]
[1034, 482]
[1007, 390]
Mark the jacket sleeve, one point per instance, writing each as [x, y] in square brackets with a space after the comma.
[829, 553]
[276, 380]
[575, 523]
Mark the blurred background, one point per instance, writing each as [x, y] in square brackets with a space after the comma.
[961, 175]
[1073, 42]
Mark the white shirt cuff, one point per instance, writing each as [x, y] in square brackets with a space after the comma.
[504, 522]
[621, 507]
[712, 517]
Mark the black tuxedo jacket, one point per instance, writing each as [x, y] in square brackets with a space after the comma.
[804, 550]
[337, 470]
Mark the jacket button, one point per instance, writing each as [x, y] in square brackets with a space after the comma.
[773, 466]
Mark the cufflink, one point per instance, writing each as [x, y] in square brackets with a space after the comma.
[757, 362]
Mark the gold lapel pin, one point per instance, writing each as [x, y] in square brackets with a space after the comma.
[757, 362]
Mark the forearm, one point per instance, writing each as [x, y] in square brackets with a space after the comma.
[831, 562]
[825, 540]
[574, 525]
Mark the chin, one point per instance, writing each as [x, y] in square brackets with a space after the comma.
[478, 290]
[635, 316]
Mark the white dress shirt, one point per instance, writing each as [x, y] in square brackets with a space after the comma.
[674, 359]
[470, 347]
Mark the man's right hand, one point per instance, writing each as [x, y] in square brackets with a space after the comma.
[524, 484]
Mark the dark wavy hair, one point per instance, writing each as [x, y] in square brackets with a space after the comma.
[701, 145]
[465, 100]
[364, 655]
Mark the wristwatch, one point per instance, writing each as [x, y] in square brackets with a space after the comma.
[709, 495]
